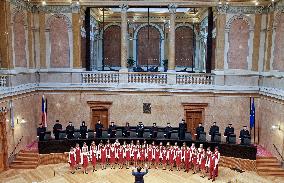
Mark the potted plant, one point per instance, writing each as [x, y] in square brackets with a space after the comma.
[130, 62]
[165, 64]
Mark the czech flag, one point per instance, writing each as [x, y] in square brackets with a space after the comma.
[44, 111]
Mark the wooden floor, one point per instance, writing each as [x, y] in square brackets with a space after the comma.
[59, 173]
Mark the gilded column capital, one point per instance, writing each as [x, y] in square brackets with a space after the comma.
[124, 7]
[172, 8]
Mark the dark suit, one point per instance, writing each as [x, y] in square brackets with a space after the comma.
[244, 134]
[41, 132]
[99, 130]
[70, 131]
[228, 131]
[126, 131]
[83, 132]
[140, 130]
[213, 131]
[139, 176]
[112, 131]
[181, 130]
[154, 132]
[168, 132]
[198, 130]
[56, 129]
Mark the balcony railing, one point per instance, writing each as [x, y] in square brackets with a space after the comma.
[3, 81]
[196, 79]
[147, 78]
[156, 78]
[100, 78]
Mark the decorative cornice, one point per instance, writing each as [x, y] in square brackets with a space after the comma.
[59, 9]
[23, 5]
[123, 7]
[172, 8]
[227, 9]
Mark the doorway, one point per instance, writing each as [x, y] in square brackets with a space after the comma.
[99, 114]
[3, 142]
[193, 118]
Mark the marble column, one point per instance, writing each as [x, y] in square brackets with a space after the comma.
[6, 57]
[268, 41]
[256, 42]
[124, 43]
[171, 57]
[220, 42]
[42, 40]
[30, 41]
[76, 25]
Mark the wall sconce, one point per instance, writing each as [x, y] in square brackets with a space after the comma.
[275, 127]
[23, 121]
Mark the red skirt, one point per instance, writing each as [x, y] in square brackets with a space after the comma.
[112, 159]
[85, 162]
[72, 164]
[178, 161]
[164, 161]
[94, 161]
[78, 159]
[103, 159]
[157, 159]
[202, 165]
[127, 156]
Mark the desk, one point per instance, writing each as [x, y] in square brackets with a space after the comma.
[229, 150]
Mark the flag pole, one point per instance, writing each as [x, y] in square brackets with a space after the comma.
[250, 115]
[254, 122]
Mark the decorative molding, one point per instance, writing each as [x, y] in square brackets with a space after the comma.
[172, 8]
[61, 16]
[124, 7]
[242, 17]
[23, 5]
[151, 24]
[59, 9]
[227, 9]
[277, 19]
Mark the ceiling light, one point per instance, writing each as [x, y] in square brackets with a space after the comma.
[256, 3]
[43, 3]
[220, 2]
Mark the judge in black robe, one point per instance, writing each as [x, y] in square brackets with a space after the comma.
[57, 128]
[154, 131]
[140, 130]
[112, 130]
[182, 127]
[83, 130]
[228, 132]
[199, 130]
[214, 130]
[244, 133]
[41, 132]
[168, 131]
[70, 131]
[126, 130]
[99, 129]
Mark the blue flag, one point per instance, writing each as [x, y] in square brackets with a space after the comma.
[252, 113]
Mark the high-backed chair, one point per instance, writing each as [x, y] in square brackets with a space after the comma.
[47, 136]
[104, 134]
[174, 135]
[217, 137]
[188, 136]
[62, 135]
[232, 139]
[146, 134]
[91, 135]
[77, 135]
[160, 135]
[202, 136]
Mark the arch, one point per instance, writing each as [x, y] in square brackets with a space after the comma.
[107, 26]
[238, 39]
[59, 42]
[186, 25]
[56, 16]
[19, 39]
[148, 50]
[184, 49]
[112, 45]
[237, 17]
[150, 24]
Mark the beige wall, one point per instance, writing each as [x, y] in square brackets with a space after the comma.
[128, 107]
[272, 113]
[25, 107]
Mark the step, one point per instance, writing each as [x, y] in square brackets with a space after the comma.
[277, 174]
[270, 169]
[267, 163]
[28, 154]
[264, 157]
[25, 162]
[26, 158]
[266, 160]
[29, 151]
[16, 166]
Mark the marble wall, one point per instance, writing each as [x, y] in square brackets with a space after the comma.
[128, 107]
[278, 63]
[238, 44]
[271, 113]
[26, 116]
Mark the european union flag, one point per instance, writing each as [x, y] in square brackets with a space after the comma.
[252, 113]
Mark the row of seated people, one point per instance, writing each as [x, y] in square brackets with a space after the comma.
[141, 131]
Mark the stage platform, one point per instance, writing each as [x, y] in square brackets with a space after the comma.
[229, 150]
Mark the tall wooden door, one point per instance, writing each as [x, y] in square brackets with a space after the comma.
[99, 114]
[193, 118]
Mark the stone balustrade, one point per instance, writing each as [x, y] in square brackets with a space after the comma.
[3, 81]
[198, 79]
[100, 77]
[153, 78]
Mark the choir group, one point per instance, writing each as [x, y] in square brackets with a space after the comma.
[197, 159]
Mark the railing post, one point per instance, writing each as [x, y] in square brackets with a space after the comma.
[171, 78]
[123, 77]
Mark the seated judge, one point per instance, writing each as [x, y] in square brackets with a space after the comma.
[168, 131]
[70, 131]
[99, 129]
[112, 130]
[228, 132]
[57, 128]
[154, 131]
[199, 130]
[140, 130]
[41, 132]
[126, 130]
[244, 133]
[214, 130]
[83, 130]
[182, 127]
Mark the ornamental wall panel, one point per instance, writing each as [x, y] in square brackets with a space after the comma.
[278, 62]
[19, 39]
[238, 44]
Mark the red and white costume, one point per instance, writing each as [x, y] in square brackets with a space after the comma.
[150, 154]
[157, 155]
[94, 156]
[120, 156]
[164, 156]
[72, 159]
[142, 154]
[135, 154]
[78, 155]
[112, 155]
[178, 157]
[103, 155]
[217, 154]
[127, 152]
[171, 156]
[213, 162]
[85, 159]
[187, 159]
